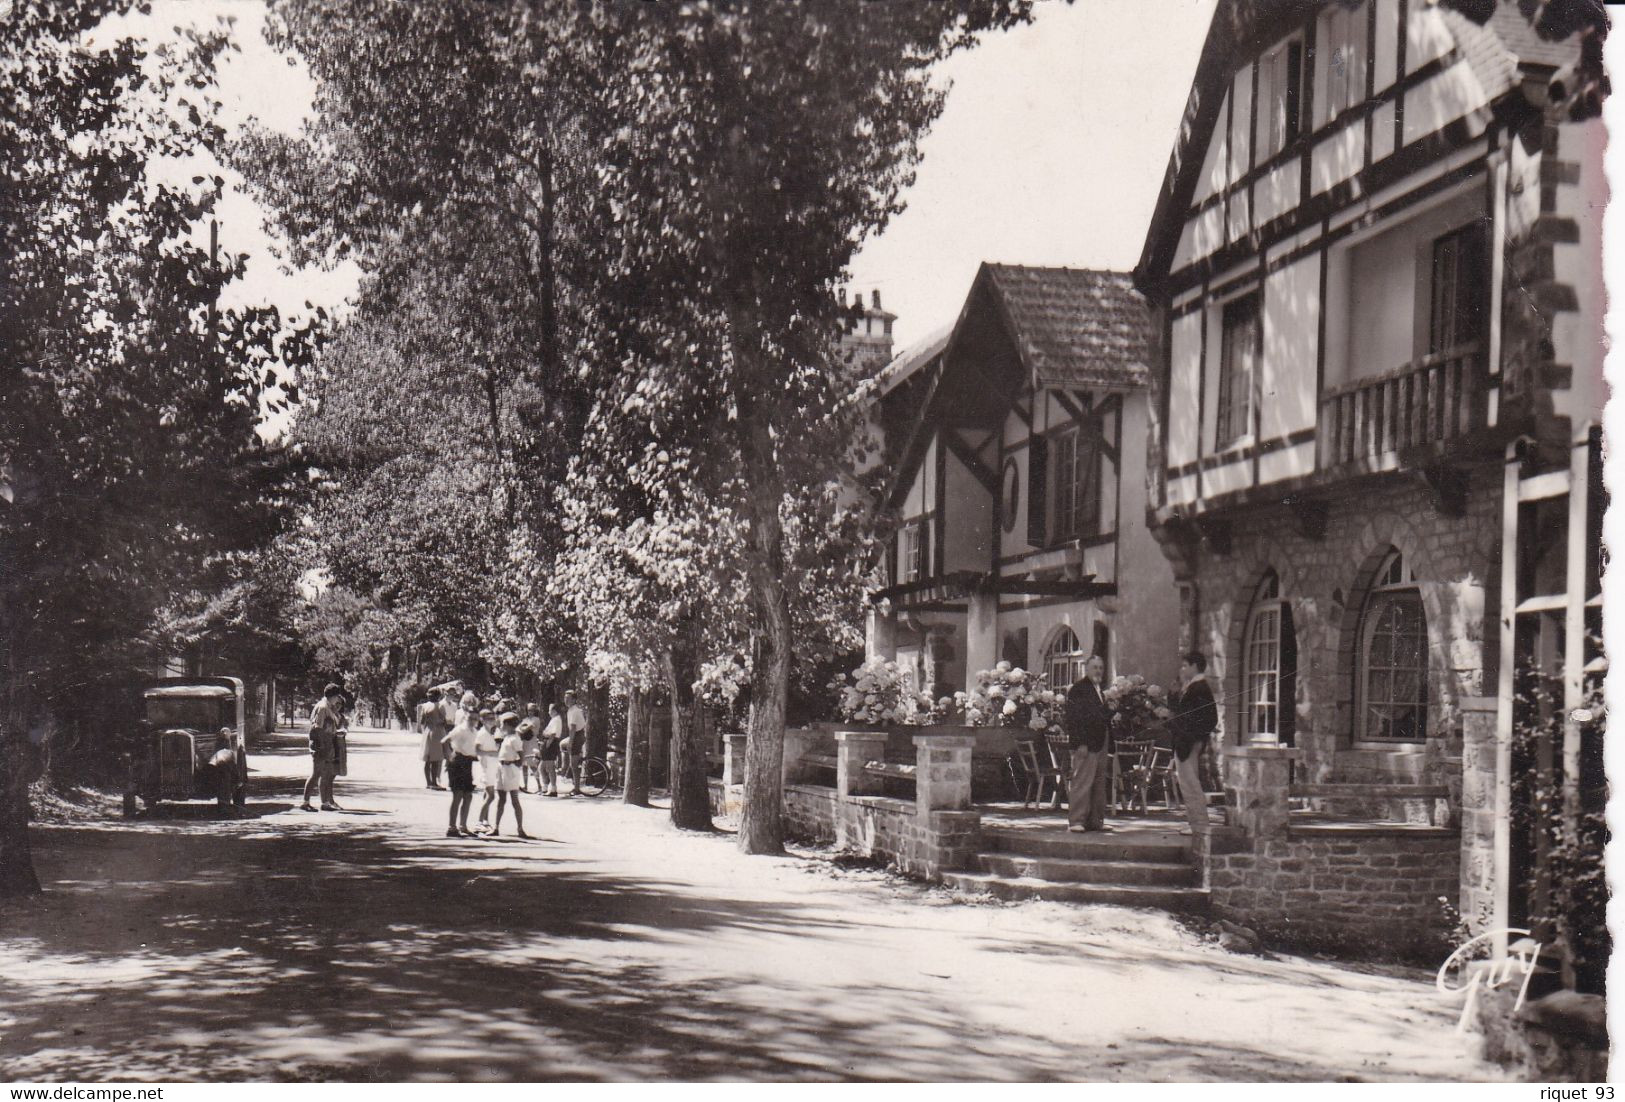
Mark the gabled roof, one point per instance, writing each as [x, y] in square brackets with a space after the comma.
[1495, 37]
[903, 365]
[1072, 327]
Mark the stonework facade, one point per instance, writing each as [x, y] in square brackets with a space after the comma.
[1355, 889]
[1326, 578]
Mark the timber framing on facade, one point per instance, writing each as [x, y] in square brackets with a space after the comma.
[1017, 475]
[1374, 280]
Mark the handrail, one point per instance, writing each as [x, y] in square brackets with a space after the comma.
[1434, 359]
[1430, 400]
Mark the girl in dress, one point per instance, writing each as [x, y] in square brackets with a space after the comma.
[487, 747]
[510, 775]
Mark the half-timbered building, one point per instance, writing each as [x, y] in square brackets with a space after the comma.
[1374, 277]
[1016, 446]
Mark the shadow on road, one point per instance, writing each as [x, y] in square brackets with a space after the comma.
[358, 947]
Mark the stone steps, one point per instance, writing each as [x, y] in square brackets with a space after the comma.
[1182, 899]
[1128, 868]
[1159, 848]
[1071, 871]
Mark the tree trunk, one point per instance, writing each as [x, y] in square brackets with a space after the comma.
[690, 789]
[17, 767]
[636, 790]
[761, 826]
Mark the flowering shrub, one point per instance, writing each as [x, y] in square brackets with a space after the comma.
[881, 692]
[1135, 705]
[1008, 696]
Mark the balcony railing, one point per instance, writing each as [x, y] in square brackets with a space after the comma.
[1374, 421]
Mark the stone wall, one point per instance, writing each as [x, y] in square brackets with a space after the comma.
[1363, 890]
[1325, 576]
[884, 828]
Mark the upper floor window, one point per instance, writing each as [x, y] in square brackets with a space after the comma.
[1341, 46]
[1393, 674]
[1077, 484]
[1459, 279]
[1280, 97]
[1238, 360]
[1064, 660]
[911, 559]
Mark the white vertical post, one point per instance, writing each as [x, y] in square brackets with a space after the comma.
[1504, 688]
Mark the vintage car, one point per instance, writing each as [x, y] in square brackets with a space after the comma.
[181, 720]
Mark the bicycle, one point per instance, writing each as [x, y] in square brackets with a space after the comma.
[596, 775]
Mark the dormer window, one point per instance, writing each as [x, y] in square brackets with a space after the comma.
[1280, 97]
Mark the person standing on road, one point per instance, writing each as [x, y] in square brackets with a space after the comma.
[552, 740]
[1088, 728]
[325, 722]
[530, 759]
[487, 746]
[575, 719]
[1195, 717]
[432, 723]
[510, 774]
[460, 746]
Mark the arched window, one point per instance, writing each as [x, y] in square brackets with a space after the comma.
[1270, 667]
[1392, 681]
[1064, 659]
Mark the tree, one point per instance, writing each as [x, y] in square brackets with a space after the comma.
[443, 159]
[754, 146]
[128, 402]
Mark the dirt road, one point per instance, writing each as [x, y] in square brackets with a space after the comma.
[365, 945]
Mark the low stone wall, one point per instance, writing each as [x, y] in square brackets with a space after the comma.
[809, 812]
[884, 828]
[1357, 890]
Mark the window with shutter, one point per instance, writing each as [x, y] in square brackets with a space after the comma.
[1037, 491]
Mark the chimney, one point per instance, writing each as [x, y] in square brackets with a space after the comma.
[877, 298]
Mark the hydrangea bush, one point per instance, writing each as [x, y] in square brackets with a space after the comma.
[1135, 705]
[1008, 696]
[881, 692]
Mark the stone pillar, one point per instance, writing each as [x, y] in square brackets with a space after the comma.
[880, 635]
[1258, 780]
[981, 635]
[797, 741]
[733, 759]
[942, 773]
[854, 750]
[1479, 782]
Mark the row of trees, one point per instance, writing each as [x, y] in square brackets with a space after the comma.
[137, 500]
[589, 415]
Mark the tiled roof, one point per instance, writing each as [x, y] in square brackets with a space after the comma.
[1075, 327]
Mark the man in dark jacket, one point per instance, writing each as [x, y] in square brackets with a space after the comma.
[1195, 717]
[1088, 730]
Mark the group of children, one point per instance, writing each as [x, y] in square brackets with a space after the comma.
[510, 751]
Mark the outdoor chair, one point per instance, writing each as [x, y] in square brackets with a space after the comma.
[1131, 773]
[1161, 776]
[1060, 770]
[1025, 764]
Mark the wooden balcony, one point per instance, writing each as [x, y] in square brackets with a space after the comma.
[1382, 422]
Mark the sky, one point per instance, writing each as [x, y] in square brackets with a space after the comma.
[1050, 151]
